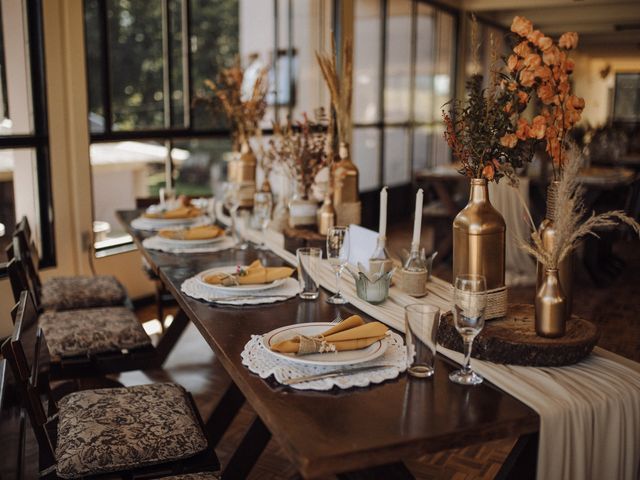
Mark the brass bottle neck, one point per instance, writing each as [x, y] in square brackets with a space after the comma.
[479, 191]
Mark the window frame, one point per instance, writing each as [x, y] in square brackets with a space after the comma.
[39, 139]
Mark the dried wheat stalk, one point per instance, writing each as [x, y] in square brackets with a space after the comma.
[569, 222]
[340, 84]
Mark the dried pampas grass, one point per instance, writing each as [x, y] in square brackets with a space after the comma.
[569, 219]
[340, 84]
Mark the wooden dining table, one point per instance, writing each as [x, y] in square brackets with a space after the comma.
[363, 432]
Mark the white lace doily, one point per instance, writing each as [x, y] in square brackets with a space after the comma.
[260, 361]
[194, 288]
[157, 243]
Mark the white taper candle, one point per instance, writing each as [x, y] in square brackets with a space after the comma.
[417, 220]
[382, 228]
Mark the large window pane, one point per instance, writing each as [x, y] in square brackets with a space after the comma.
[397, 167]
[366, 58]
[397, 89]
[424, 70]
[366, 155]
[135, 56]
[18, 193]
[16, 109]
[198, 165]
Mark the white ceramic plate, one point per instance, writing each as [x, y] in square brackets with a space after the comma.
[350, 357]
[237, 288]
[190, 243]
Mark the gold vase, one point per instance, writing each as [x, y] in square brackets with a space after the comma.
[346, 199]
[242, 170]
[551, 306]
[326, 215]
[479, 238]
[548, 235]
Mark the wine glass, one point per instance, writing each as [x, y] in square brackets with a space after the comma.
[338, 256]
[262, 206]
[469, 303]
[231, 192]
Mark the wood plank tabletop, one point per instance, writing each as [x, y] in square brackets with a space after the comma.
[338, 431]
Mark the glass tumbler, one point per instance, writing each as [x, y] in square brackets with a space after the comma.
[308, 271]
[421, 330]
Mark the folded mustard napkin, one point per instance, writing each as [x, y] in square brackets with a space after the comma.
[201, 232]
[350, 334]
[254, 274]
[185, 211]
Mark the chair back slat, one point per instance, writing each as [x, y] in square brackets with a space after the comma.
[26, 249]
[24, 351]
[12, 427]
[21, 275]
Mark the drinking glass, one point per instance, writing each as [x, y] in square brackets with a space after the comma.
[308, 271]
[231, 200]
[469, 303]
[338, 256]
[421, 330]
[262, 206]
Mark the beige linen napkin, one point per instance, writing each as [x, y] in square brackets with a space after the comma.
[185, 211]
[350, 334]
[254, 274]
[201, 232]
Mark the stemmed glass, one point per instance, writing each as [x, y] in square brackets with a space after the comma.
[262, 206]
[338, 256]
[470, 301]
[231, 198]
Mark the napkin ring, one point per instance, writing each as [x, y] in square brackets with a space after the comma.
[314, 345]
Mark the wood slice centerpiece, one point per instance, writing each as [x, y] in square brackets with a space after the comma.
[512, 340]
[295, 238]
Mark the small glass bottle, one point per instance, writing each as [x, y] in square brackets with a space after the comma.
[414, 273]
[380, 257]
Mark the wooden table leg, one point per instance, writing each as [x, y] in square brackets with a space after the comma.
[522, 461]
[248, 452]
[171, 336]
[391, 471]
[224, 413]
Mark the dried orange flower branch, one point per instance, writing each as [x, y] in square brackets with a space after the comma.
[541, 66]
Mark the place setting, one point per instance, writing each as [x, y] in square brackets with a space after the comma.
[192, 239]
[172, 213]
[252, 284]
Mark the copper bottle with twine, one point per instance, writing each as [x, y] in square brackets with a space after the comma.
[242, 171]
[346, 199]
[548, 235]
[479, 246]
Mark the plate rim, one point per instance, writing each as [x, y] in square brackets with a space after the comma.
[203, 241]
[383, 346]
[222, 288]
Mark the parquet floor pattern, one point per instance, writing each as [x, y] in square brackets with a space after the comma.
[615, 309]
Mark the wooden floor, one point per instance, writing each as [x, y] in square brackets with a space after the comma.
[615, 310]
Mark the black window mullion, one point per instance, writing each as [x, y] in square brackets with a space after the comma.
[276, 53]
[106, 66]
[186, 63]
[384, 9]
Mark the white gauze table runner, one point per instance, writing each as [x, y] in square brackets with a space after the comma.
[589, 412]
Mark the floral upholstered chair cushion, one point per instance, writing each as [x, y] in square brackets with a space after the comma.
[113, 429]
[65, 293]
[92, 330]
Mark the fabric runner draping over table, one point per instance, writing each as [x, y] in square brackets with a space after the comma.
[589, 412]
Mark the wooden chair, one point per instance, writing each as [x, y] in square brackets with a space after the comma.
[169, 434]
[69, 292]
[91, 342]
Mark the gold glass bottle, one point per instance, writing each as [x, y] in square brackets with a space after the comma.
[346, 199]
[242, 170]
[326, 215]
[479, 238]
[548, 236]
[550, 306]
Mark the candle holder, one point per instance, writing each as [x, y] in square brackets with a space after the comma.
[380, 259]
[414, 273]
[372, 286]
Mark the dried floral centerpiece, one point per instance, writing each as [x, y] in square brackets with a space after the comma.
[572, 223]
[344, 173]
[487, 136]
[242, 99]
[543, 68]
[302, 150]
